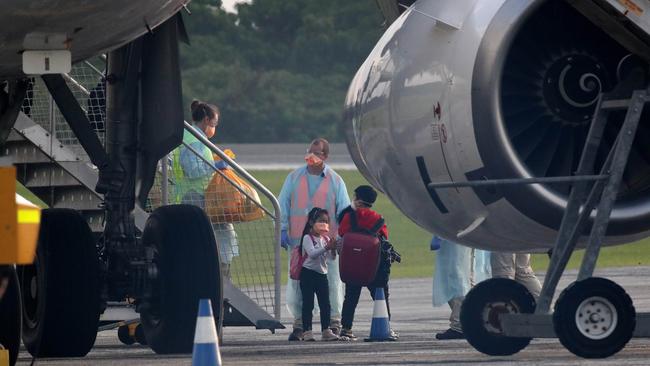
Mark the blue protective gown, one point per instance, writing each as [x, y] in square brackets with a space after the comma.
[293, 295]
[452, 277]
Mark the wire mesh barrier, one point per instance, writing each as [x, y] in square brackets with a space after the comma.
[245, 228]
[86, 83]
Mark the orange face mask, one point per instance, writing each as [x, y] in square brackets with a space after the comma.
[313, 161]
[210, 131]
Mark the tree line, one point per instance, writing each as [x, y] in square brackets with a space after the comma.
[278, 69]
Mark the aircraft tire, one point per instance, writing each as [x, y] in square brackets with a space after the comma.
[139, 335]
[187, 260]
[124, 336]
[61, 290]
[480, 310]
[10, 317]
[594, 318]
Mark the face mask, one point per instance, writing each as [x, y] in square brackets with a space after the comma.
[210, 131]
[314, 161]
[322, 227]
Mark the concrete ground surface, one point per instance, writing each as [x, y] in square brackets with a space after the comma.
[412, 315]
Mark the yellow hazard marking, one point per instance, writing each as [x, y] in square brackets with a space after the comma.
[29, 216]
[4, 357]
[631, 6]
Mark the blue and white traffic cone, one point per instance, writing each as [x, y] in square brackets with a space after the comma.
[206, 344]
[380, 328]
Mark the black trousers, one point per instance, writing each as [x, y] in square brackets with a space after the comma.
[312, 282]
[351, 300]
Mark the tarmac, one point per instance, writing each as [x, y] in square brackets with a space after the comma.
[412, 316]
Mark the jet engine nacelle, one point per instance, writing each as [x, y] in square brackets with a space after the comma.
[460, 90]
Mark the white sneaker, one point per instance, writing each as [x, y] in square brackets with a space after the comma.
[328, 335]
[308, 336]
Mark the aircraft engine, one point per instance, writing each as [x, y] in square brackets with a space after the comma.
[460, 90]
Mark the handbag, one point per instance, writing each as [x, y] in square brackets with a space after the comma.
[224, 203]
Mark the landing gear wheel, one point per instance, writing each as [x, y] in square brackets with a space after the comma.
[10, 316]
[61, 290]
[594, 318]
[187, 260]
[139, 335]
[124, 336]
[479, 315]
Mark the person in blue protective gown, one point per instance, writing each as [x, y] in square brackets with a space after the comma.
[313, 185]
[457, 270]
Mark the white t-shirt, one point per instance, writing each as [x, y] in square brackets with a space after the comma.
[317, 255]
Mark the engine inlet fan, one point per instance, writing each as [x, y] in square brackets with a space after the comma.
[555, 69]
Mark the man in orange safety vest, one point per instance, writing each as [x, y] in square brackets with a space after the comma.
[313, 185]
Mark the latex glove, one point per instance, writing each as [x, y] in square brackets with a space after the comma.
[221, 165]
[435, 243]
[284, 240]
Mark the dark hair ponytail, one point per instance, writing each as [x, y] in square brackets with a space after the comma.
[200, 110]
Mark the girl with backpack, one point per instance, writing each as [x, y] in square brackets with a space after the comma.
[317, 248]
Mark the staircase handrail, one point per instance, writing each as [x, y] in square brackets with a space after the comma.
[259, 186]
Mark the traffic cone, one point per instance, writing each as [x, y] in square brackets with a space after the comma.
[380, 328]
[206, 344]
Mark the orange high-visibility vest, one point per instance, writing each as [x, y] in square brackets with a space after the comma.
[301, 204]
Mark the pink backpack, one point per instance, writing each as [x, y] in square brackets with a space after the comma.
[296, 261]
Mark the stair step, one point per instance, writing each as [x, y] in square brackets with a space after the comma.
[45, 175]
[614, 104]
[78, 198]
[95, 219]
[14, 136]
[23, 152]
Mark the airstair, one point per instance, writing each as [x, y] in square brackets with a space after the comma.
[52, 165]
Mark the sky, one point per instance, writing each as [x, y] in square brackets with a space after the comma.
[229, 5]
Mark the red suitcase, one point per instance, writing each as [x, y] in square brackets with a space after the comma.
[360, 254]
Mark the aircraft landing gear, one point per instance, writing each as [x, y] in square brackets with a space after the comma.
[481, 311]
[187, 262]
[131, 333]
[594, 318]
[124, 335]
[61, 290]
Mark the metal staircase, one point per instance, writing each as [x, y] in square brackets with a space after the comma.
[55, 173]
[52, 165]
